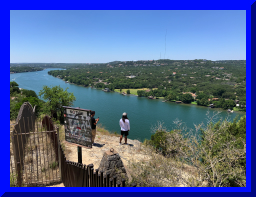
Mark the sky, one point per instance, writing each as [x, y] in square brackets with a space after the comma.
[91, 36]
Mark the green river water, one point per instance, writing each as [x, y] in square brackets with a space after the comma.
[143, 113]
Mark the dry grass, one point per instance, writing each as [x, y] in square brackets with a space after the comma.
[103, 131]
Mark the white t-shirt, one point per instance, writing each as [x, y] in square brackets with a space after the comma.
[125, 126]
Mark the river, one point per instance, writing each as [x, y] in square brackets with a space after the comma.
[144, 114]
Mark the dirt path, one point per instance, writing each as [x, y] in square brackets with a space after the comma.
[103, 143]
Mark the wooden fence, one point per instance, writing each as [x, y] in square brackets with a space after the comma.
[33, 151]
[37, 158]
[78, 175]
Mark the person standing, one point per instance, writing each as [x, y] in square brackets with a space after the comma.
[125, 127]
[93, 125]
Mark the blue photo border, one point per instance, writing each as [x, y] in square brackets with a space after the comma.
[119, 5]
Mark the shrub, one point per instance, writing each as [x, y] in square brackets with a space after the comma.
[213, 155]
[159, 141]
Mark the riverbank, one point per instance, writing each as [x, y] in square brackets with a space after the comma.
[134, 92]
[143, 113]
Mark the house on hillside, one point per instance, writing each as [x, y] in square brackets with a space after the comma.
[213, 99]
[130, 77]
[192, 94]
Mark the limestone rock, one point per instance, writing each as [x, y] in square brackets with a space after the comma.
[111, 163]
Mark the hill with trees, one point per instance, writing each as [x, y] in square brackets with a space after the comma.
[221, 83]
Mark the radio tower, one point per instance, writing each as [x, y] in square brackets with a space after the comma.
[165, 44]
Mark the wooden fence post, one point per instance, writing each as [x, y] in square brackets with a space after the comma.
[114, 181]
[108, 179]
[91, 177]
[19, 174]
[79, 154]
[123, 182]
[105, 181]
[101, 178]
[110, 182]
[96, 178]
[58, 141]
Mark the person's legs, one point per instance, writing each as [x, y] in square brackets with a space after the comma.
[125, 139]
[121, 137]
[93, 135]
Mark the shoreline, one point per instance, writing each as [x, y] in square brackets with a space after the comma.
[151, 99]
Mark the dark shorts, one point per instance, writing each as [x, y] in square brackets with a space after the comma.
[125, 133]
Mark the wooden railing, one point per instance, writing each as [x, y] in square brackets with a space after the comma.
[78, 175]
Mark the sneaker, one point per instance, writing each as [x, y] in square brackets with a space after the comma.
[125, 143]
[120, 143]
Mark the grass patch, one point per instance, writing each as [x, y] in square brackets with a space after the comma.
[132, 91]
[103, 131]
[238, 109]
[61, 133]
[194, 103]
[13, 180]
[54, 164]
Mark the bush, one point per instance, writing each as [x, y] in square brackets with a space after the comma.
[29, 93]
[213, 156]
[159, 141]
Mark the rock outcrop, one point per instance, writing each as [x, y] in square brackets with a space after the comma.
[111, 163]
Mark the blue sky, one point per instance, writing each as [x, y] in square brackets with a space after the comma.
[104, 36]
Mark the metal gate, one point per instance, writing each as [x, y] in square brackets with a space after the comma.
[34, 151]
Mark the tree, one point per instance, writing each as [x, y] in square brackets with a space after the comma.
[186, 98]
[128, 92]
[33, 101]
[141, 93]
[228, 104]
[14, 87]
[193, 90]
[203, 102]
[29, 93]
[202, 95]
[56, 98]
[219, 92]
[229, 95]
